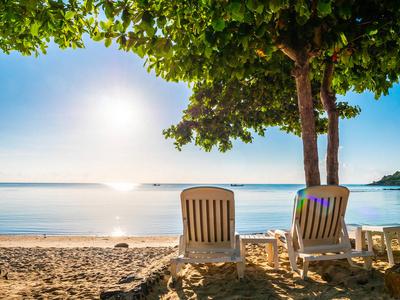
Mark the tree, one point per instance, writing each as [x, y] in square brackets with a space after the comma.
[340, 45]
[26, 26]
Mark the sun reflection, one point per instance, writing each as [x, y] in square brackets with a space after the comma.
[122, 186]
[117, 232]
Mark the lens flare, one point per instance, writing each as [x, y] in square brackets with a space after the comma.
[302, 196]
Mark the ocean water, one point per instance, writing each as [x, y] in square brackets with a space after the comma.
[144, 209]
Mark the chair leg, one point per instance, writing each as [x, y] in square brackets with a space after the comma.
[351, 262]
[179, 268]
[383, 236]
[367, 263]
[243, 254]
[369, 241]
[174, 273]
[358, 238]
[292, 257]
[305, 269]
[389, 247]
[270, 253]
[240, 270]
[398, 236]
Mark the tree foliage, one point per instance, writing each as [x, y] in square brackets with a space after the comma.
[27, 26]
[237, 43]
[393, 180]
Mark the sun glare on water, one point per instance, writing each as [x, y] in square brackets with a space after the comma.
[118, 232]
[122, 186]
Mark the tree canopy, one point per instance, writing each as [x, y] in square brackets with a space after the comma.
[27, 26]
[241, 56]
[234, 51]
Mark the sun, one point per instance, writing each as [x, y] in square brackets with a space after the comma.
[119, 114]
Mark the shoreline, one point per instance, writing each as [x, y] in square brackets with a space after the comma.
[63, 241]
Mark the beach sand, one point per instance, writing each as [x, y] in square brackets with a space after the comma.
[89, 267]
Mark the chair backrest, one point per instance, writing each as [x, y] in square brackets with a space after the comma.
[318, 211]
[209, 213]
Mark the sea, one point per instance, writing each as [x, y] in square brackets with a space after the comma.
[154, 209]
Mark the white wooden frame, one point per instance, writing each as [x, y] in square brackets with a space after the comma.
[209, 236]
[318, 227]
[386, 232]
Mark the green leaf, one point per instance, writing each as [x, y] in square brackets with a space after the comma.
[372, 32]
[161, 21]
[324, 7]
[275, 5]
[69, 15]
[218, 24]
[208, 52]
[34, 29]
[70, 27]
[234, 7]
[261, 29]
[345, 56]
[365, 55]
[107, 42]
[343, 38]
[109, 10]
[98, 38]
[301, 20]
[103, 25]
[89, 5]
[245, 43]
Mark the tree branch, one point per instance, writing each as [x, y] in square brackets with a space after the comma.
[327, 97]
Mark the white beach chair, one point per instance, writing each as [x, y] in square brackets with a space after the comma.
[318, 227]
[208, 229]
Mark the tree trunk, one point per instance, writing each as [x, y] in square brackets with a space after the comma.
[308, 131]
[329, 101]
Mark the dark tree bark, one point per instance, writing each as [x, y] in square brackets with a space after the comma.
[308, 130]
[329, 102]
[301, 55]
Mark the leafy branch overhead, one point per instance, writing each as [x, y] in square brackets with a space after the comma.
[236, 40]
[240, 55]
[27, 26]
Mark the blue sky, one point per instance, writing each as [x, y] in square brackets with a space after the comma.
[96, 115]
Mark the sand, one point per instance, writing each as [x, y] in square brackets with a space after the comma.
[71, 267]
[90, 267]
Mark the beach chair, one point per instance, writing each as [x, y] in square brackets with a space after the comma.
[208, 230]
[318, 229]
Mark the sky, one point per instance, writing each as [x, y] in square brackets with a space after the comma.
[97, 115]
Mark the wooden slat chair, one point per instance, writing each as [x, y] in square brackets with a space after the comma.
[208, 229]
[318, 227]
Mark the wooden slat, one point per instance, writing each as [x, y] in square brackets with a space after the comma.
[337, 225]
[197, 220]
[191, 223]
[324, 219]
[304, 217]
[329, 216]
[317, 219]
[334, 217]
[225, 221]
[310, 218]
[205, 220]
[218, 220]
[212, 220]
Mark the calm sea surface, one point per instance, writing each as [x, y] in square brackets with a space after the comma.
[100, 209]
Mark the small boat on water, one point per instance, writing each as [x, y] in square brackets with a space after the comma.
[233, 184]
[156, 184]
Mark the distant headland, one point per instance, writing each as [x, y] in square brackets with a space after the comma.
[388, 180]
